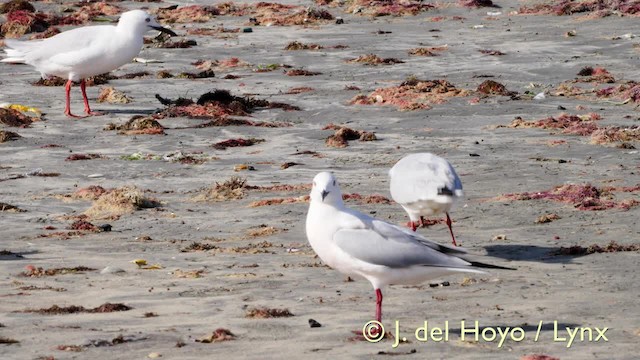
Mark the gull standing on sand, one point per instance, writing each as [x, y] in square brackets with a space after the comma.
[359, 245]
[87, 51]
[425, 184]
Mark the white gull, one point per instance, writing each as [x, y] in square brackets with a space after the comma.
[358, 245]
[425, 184]
[83, 52]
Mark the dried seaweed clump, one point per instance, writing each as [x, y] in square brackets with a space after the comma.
[297, 45]
[596, 8]
[600, 75]
[232, 62]
[373, 59]
[629, 91]
[92, 192]
[90, 81]
[14, 5]
[112, 96]
[74, 309]
[611, 247]
[186, 14]
[377, 8]
[580, 196]
[616, 134]
[343, 134]
[569, 124]
[219, 104]
[22, 21]
[428, 51]
[491, 87]
[219, 335]
[232, 189]
[275, 14]
[8, 136]
[33, 271]
[265, 313]
[368, 199]
[138, 125]
[14, 118]
[119, 201]
[413, 94]
[476, 3]
[240, 142]
[10, 208]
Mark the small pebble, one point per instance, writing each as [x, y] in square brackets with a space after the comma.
[314, 324]
[247, 30]
[95, 176]
[154, 355]
[339, 21]
[104, 227]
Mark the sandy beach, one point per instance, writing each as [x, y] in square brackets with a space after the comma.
[210, 196]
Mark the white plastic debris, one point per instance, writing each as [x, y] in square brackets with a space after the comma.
[494, 13]
[540, 96]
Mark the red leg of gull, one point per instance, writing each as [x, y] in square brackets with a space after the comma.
[450, 230]
[412, 225]
[67, 107]
[87, 109]
[378, 305]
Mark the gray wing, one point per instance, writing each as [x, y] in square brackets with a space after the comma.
[388, 245]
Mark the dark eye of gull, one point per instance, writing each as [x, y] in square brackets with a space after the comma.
[147, 19]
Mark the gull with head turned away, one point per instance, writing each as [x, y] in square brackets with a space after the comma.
[87, 51]
[385, 254]
[425, 184]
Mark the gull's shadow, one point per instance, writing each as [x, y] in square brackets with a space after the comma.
[10, 255]
[127, 111]
[546, 254]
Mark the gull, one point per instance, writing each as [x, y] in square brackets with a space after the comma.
[87, 51]
[385, 254]
[425, 184]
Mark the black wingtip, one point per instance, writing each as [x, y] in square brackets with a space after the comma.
[489, 266]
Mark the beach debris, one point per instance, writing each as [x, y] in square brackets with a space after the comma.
[278, 201]
[32, 271]
[83, 225]
[301, 72]
[92, 192]
[491, 87]
[199, 246]
[297, 45]
[593, 8]
[186, 14]
[343, 134]
[14, 118]
[266, 313]
[112, 96]
[74, 309]
[8, 341]
[76, 157]
[598, 74]
[477, 3]
[377, 8]
[232, 62]
[239, 142]
[428, 51]
[299, 90]
[271, 67]
[231, 189]
[119, 201]
[243, 167]
[492, 52]
[547, 218]
[138, 125]
[21, 108]
[539, 96]
[188, 274]
[220, 334]
[289, 164]
[538, 357]
[580, 196]
[10, 208]
[412, 94]
[314, 324]
[373, 59]
[143, 264]
[262, 231]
